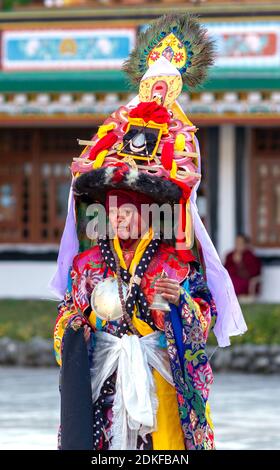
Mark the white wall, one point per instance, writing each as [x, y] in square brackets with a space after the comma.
[270, 284]
[26, 279]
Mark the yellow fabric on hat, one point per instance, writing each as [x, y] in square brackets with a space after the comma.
[189, 230]
[180, 142]
[178, 112]
[98, 162]
[103, 130]
[173, 172]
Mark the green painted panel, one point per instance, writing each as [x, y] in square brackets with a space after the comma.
[116, 81]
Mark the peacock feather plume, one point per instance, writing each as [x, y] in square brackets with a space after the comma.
[190, 49]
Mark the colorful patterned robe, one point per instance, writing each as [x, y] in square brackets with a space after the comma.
[184, 409]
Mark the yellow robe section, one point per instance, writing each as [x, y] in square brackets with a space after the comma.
[169, 434]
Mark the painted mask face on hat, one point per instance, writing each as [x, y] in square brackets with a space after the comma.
[161, 83]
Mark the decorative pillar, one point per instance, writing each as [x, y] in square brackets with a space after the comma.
[240, 178]
[226, 193]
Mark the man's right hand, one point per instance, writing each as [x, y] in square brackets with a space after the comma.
[87, 331]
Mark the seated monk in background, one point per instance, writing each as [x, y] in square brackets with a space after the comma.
[243, 267]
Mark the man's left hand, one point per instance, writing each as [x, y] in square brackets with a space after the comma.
[169, 289]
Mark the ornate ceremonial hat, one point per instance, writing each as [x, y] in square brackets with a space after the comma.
[148, 145]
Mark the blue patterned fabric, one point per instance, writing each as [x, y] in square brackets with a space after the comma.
[186, 329]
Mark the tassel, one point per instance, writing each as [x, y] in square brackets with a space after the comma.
[103, 130]
[167, 155]
[173, 172]
[98, 162]
[103, 144]
[189, 232]
[180, 142]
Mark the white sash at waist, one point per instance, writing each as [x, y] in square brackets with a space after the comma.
[135, 403]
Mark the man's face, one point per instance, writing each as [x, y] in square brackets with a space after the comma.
[125, 221]
[240, 243]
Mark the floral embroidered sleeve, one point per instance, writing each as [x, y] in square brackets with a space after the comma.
[197, 288]
[67, 314]
[191, 369]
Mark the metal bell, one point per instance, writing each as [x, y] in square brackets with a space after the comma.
[159, 303]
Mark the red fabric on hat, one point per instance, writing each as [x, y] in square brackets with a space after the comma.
[120, 173]
[184, 254]
[127, 196]
[151, 111]
[185, 188]
[103, 144]
[167, 154]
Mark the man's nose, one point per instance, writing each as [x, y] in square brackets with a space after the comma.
[120, 217]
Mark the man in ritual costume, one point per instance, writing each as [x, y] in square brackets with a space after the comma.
[138, 303]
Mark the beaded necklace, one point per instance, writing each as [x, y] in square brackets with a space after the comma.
[135, 294]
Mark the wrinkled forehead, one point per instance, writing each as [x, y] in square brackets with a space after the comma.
[125, 207]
